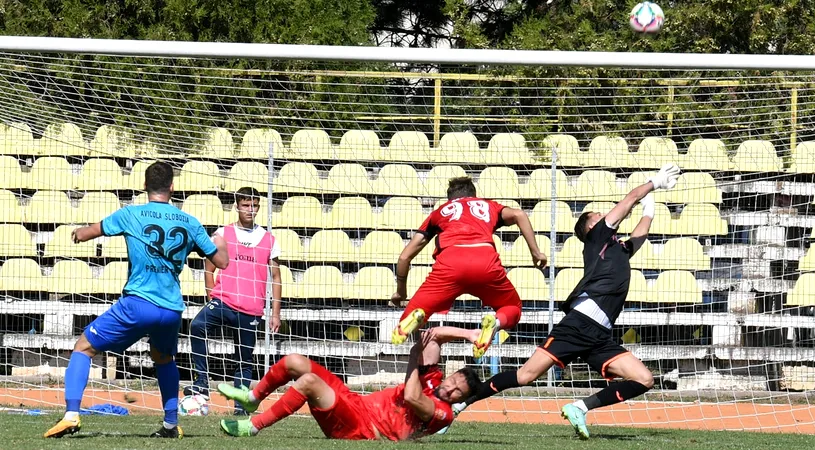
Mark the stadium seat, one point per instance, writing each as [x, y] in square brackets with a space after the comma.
[807, 263]
[331, 246]
[655, 152]
[95, 206]
[707, 154]
[113, 278]
[458, 148]
[596, 185]
[530, 283]
[382, 247]
[683, 254]
[206, 208]
[351, 212]
[498, 182]
[802, 294]
[508, 149]
[257, 143]
[373, 283]
[216, 143]
[416, 277]
[518, 255]
[11, 176]
[10, 211]
[700, 219]
[49, 207]
[190, 286]
[112, 142]
[135, 181]
[322, 282]
[637, 179]
[71, 277]
[598, 207]
[358, 145]
[16, 139]
[645, 258]
[605, 151]
[757, 156]
[567, 150]
[115, 248]
[400, 180]
[300, 212]
[140, 199]
[565, 282]
[676, 286]
[198, 176]
[52, 173]
[803, 158]
[311, 145]
[541, 217]
[439, 177]
[291, 249]
[62, 139]
[101, 175]
[539, 185]
[61, 245]
[287, 280]
[571, 255]
[407, 146]
[21, 275]
[16, 241]
[662, 223]
[247, 174]
[349, 178]
[638, 288]
[298, 177]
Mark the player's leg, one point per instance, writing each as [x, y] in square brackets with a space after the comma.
[163, 347]
[202, 326]
[496, 291]
[245, 338]
[286, 369]
[435, 295]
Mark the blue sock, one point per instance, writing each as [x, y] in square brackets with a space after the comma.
[168, 379]
[76, 378]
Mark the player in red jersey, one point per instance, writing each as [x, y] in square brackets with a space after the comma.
[467, 262]
[418, 407]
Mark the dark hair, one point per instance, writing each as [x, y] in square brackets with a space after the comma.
[246, 193]
[158, 178]
[473, 380]
[460, 187]
[581, 227]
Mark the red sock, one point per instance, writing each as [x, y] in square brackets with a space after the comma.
[277, 376]
[508, 316]
[290, 402]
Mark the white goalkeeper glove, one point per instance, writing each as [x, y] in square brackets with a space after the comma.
[666, 177]
[648, 206]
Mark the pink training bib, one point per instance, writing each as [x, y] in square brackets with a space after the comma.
[242, 285]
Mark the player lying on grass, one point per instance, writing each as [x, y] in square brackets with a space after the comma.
[591, 309]
[418, 407]
[159, 237]
[466, 263]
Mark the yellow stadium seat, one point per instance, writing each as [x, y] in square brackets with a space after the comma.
[358, 145]
[206, 208]
[101, 175]
[565, 282]
[645, 258]
[803, 158]
[112, 142]
[661, 224]
[598, 207]
[596, 185]
[683, 254]
[49, 207]
[22, 275]
[638, 288]
[655, 152]
[52, 173]
[247, 174]
[508, 149]
[298, 177]
[287, 280]
[541, 217]
[113, 278]
[707, 154]
[216, 143]
[115, 248]
[425, 257]
[373, 283]
[135, 181]
[16, 139]
[676, 286]
[198, 176]
[700, 218]
[61, 245]
[399, 179]
[63, 139]
[807, 263]
[757, 156]
[571, 255]
[381, 247]
[605, 151]
[331, 246]
[401, 213]
[290, 246]
[518, 255]
[11, 176]
[802, 294]
[16, 241]
[351, 212]
[300, 212]
[530, 283]
[140, 199]
[498, 182]
[416, 277]
[190, 284]
[349, 178]
[257, 143]
[95, 206]
[322, 282]
[458, 148]
[407, 146]
[71, 277]
[439, 177]
[637, 179]
[10, 211]
[539, 185]
[311, 144]
[567, 150]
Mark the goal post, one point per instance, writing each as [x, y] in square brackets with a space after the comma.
[351, 148]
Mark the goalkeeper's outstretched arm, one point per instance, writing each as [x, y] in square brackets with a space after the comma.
[666, 178]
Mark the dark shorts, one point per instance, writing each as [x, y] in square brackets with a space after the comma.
[579, 336]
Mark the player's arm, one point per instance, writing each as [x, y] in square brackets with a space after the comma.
[113, 225]
[413, 248]
[443, 335]
[665, 179]
[512, 216]
[640, 232]
[84, 234]
[214, 248]
[420, 355]
[277, 294]
[209, 277]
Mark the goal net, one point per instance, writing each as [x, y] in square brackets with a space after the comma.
[350, 157]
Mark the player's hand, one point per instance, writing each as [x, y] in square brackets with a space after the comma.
[648, 206]
[666, 178]
[539, 259]
[398, 297]
[274, 324]
[74, 238]
[219, 241]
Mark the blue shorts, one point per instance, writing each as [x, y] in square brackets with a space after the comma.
[130, 319]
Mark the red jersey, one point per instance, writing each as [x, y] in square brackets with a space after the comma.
[467, 220]
[396, 420]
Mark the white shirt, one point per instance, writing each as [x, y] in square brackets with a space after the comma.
[251, 238]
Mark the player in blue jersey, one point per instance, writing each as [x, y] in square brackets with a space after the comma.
[159, 238]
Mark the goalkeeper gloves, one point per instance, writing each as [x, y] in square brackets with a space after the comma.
[666, 177]
[648, 206]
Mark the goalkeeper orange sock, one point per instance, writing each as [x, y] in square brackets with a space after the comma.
[277, 376]
[288, 404]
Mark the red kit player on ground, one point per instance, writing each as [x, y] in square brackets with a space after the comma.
[418, 407]
[467, 262]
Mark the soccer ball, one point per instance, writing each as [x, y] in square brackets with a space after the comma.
[193, 405]
[647, 17]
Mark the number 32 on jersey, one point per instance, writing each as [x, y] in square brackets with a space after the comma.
[478, 209]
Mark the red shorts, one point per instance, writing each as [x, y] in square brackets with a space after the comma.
[465, 270]
[347, 418]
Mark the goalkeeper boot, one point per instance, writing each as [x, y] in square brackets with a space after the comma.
[408, 325]
[457, 408]
[63, 427]
[168, 433]
[237, 428]
[240, 395]
[577, 418]
[489, 326]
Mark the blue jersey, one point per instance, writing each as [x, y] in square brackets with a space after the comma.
[159, 238]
